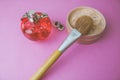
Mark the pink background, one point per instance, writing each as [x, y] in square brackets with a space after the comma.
[20, 57]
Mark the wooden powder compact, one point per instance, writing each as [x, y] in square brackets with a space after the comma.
[97, 29]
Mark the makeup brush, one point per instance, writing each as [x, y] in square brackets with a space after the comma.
[82, 27]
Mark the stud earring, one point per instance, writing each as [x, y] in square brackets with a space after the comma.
[59, 26]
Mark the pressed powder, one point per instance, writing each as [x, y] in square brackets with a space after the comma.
[98, 27]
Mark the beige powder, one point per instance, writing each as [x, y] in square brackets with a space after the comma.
[98, 25]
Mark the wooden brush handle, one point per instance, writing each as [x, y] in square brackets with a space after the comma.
[51, 60]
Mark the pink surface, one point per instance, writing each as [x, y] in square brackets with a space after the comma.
[20, 57]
